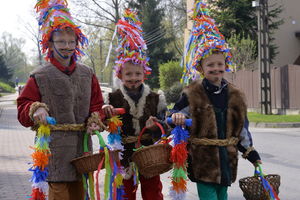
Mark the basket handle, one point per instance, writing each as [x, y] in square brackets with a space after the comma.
[163, 134]
[85, 141]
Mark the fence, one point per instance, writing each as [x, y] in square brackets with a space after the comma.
[285, 83]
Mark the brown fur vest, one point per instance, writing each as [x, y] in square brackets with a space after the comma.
[150, 104]
[205, 159]
[68, 99]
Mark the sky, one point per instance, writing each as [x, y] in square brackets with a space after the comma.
[14, 15]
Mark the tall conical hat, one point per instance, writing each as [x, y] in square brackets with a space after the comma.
[131, 45]
[205, 38]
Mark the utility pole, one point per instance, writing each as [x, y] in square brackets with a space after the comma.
[263, 55]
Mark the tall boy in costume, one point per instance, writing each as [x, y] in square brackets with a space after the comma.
[217, 108]
[66, 90]
[141, 104]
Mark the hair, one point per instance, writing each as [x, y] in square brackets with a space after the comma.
[67, 30]
[215, 51]
[129, 62]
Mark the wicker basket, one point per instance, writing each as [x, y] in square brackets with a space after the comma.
[253, 189]
[90, 162]
[154, 159]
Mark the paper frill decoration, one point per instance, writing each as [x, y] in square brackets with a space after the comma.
[131, 45]
[268, 189]
[205, 38]
[40, 158]
[55, 15]
[179, 156]
[115, 144]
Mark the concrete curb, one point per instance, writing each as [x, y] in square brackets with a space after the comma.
[275, 125]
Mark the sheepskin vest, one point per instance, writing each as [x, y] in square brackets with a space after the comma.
[136, 115]
[205, 160]
[68, 98]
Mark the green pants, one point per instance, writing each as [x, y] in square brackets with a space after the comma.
[210, 191]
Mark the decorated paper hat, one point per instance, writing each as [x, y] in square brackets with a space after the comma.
[131, 45]
[205, 38]
[54, 15]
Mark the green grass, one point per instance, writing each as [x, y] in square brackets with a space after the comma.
[257, 117]
[6, 88]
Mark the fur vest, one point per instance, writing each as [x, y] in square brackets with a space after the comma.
[205, 160]
[150, 104]
[68, 98]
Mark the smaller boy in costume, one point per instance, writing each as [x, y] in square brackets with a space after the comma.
[66, 90]
[143, 107]
[217, 108]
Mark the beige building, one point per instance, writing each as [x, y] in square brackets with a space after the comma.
[287, 38]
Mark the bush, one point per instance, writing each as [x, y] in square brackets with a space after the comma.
[4, 87]
[173, 94]
[169, 73]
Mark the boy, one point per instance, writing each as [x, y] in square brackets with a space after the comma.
[141, 104]
[218, 111]
[67, 91]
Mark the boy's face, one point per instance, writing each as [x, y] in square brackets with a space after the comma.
[213, 68]
[132, 75]
[63, 43]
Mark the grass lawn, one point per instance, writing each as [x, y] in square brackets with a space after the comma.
[257, 117]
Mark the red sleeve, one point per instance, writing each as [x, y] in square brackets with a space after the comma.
[29, 95]
[96, 97]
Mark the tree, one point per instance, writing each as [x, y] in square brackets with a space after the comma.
[99, 14]
[239, 17]
[242, 49]
[151, 15]
[175, 19]
[5, 72]
[12, 53]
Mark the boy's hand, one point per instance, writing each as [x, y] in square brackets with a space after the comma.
[258, 162]
[150, 123]
[108, 110]
[91, 128]
[39, 116]
[178, 119]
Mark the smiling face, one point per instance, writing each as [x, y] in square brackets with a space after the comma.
[132, 75]
[63, 45]
[213, 68]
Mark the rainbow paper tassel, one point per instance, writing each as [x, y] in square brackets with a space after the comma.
[266, 185]
[179, 158]
[40, 158]
[115, 144]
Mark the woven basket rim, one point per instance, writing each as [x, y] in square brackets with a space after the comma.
[86, 156]
[256, 177]
[151, 147]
